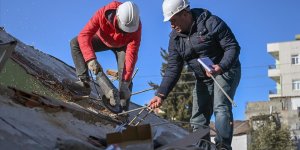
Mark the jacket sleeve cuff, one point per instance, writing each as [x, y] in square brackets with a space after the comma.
[160, 95]
[162, 92]
[224, 69]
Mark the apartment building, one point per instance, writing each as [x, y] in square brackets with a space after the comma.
[284, 99]
[286, 71]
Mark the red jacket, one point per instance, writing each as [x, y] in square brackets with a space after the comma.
[111, 37]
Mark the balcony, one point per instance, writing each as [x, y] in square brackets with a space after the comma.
[273, 49]
[274, 93]
[274, 73]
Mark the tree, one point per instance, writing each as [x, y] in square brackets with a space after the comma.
[178, 104]
[268, 135]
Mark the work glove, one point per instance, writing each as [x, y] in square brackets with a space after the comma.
[94, 66]
[125, 93]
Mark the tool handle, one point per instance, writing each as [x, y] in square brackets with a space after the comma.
[126, 112]
[143, 118]
[131, 122]
[229, 98]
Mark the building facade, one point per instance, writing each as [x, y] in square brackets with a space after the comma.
[284, 100]
[286, 71]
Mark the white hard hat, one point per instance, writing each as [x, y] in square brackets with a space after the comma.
[128, 17]
[172, 7]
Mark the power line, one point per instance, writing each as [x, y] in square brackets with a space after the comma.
[245, 87]
[247, 67]
[260, 66]
[243, 77]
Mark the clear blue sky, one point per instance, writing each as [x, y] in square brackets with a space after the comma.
[49, 26]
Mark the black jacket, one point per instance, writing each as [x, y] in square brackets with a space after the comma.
[209, 36]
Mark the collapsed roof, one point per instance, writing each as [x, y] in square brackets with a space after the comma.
[36, 111]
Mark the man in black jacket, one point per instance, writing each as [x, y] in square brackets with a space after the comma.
[197, 33]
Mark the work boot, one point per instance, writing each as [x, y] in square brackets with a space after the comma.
[81, 87]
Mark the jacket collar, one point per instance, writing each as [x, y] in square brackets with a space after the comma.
[199, 16]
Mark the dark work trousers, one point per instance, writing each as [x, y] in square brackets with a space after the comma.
[98, 46]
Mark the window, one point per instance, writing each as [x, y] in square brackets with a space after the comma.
[295, 59]
[296, 84]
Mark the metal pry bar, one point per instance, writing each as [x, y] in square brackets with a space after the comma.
[137, 116]
[140, 119]
[229, 98]
[126, 112]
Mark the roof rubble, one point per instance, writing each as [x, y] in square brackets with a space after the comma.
[43, 117]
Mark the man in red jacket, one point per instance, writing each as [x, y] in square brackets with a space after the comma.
[115, 27]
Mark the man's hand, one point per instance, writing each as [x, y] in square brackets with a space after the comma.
[155, 102]
[216, 71]
[125, 93]
[94, 66]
